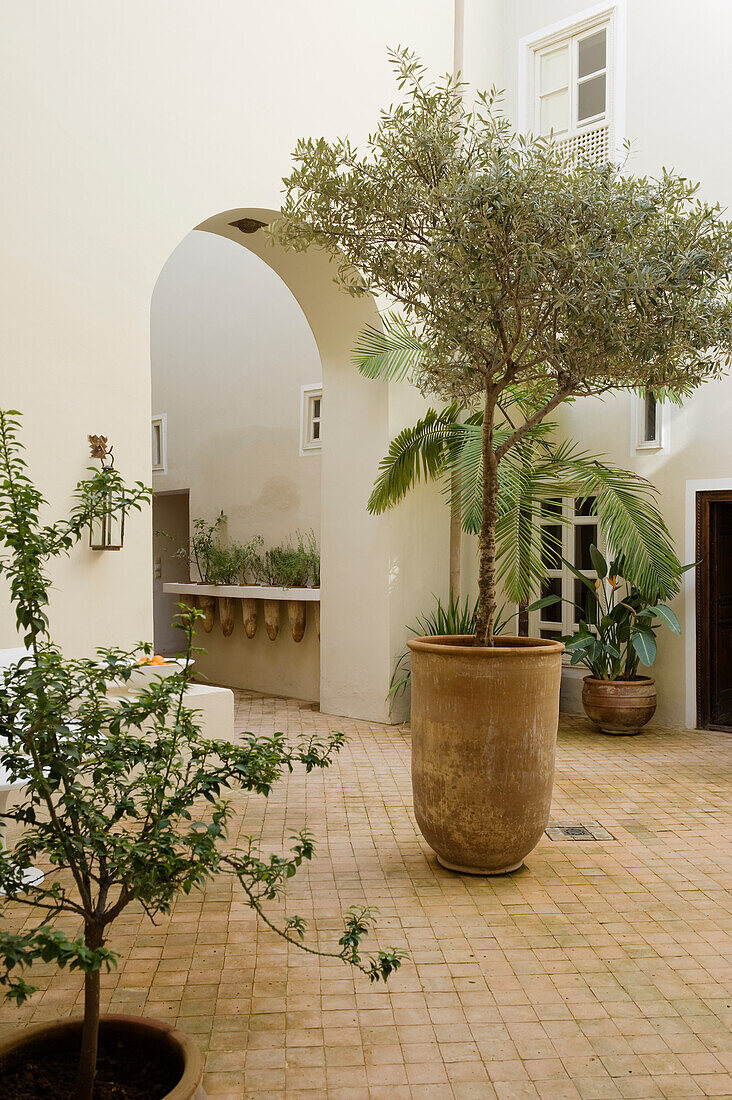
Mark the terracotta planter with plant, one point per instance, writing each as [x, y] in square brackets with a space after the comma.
[524, 278]
[619, 706]
[137, 1059]
[616, 635]
[484, 726]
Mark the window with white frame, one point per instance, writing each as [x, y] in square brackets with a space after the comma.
[567, 529]
[160, 443]
[570, 77]
[311, 419]
[649, 423]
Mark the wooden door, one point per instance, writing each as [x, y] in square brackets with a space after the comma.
[714, 609]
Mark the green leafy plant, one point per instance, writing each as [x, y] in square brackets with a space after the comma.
[287, 566]
[203, 547]
[124, 798]
[617, 630]
[524, 276]
[310, 545]
[453, 617]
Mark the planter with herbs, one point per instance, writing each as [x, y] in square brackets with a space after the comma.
[234, 572]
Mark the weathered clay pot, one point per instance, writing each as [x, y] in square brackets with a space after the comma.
[272, 618]
[250, 616]
[484, 729]
[207, 604]
[176, 1043]
[619, 706]
[226, 615]
[296, 614]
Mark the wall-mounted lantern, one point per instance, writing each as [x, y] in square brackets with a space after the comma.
[107, 527]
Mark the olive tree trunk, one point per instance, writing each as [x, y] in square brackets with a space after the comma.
[93, 938]
[487, 568]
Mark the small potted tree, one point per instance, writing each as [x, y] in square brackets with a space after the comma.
[112, 790]
[524, 278]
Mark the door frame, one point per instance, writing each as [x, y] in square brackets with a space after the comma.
[693, 489]
[704, 499]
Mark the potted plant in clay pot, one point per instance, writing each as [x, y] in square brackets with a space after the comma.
[617, 635]
[111, 799]
[524, 278]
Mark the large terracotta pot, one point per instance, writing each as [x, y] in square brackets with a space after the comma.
[619, 706]
[484, 729]
[173, 1041]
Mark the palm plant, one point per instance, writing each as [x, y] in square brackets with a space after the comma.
[441, 447]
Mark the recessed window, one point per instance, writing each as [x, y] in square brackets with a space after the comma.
[160, 443]
[649, 423]
[568, 79]
[567, 529]
[311, 428]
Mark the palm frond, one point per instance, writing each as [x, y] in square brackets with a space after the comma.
[392, 354]
[418, 451]
[626, 510]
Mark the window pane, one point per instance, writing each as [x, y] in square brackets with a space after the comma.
[316, 406]
[591, 98]
[553, 614]
[649, 426]
[583, 506]
[591, 54]
[549, 633]
[316, 429]
[156, 448]
[551, 507]
[555, 70]
[555, 112]
[580, 595]
[551, 546]
[584, 536]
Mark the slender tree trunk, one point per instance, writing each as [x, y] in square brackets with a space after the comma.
[456, 533]
[487, 569]
[93, 938]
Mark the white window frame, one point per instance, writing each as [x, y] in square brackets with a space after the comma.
[638, 443]
[161, 423]
[308, 395]
[566, 625]
[581, 25]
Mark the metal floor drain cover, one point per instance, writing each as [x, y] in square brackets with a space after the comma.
[577, 830]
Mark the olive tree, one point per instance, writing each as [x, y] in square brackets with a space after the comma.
[523, 277]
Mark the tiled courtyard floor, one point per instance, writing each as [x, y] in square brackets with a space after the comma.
[602, 969]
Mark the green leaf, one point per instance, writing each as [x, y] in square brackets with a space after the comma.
[666, 615]
[598, 562]
[644, 644]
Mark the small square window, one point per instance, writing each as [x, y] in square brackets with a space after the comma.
[159, 426]
[311, 417]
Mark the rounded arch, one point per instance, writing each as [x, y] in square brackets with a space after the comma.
[355, 649]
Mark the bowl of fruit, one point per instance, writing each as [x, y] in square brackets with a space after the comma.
[155, 667]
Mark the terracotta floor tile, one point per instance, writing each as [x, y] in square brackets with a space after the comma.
[602, 970]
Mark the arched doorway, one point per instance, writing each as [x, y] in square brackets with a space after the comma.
[355, 643]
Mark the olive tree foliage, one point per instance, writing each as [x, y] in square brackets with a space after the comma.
[523, 277]
[123, 797]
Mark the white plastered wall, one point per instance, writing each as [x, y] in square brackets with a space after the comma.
[126, 125]
[671, 48]
[231, 350]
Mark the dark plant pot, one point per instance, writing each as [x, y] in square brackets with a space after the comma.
[619, 706]
[484, 730]
[173, 1044]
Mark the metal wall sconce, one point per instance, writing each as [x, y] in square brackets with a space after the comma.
[107, 528]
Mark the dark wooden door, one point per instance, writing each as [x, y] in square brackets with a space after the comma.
[714, 609]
